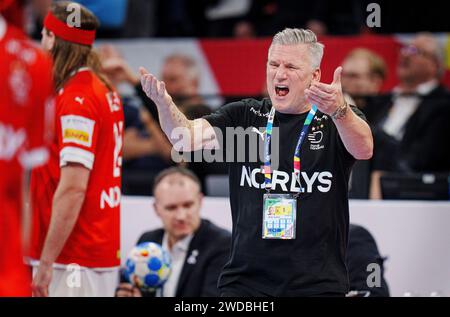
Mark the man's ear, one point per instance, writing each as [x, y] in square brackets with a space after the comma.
[51, 38]
[155, 206]
[316, 74]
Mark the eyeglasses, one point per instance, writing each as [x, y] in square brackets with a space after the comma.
[412, 50]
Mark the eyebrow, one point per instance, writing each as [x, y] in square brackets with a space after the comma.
[289, 64]
[181, 203]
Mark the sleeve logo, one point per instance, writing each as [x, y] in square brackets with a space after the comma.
[77, 129]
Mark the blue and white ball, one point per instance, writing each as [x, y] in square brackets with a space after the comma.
[148, 266]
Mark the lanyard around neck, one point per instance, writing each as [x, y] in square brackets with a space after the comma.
[301, 138]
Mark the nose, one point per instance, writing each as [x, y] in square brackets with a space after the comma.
[281, 73]
[181, 214]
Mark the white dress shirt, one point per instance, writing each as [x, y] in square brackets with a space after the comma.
[404, 107]
[178, 255]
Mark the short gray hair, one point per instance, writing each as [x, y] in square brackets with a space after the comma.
[438, 50]
[301, 36]
[184, 172]
[192, 69]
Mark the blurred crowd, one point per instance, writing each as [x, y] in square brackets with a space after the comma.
[411, 124]
[251, 18]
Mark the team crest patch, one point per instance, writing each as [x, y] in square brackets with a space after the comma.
[77, 129]
[316, 134]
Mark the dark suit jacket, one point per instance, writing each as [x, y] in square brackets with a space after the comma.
[361, 251]
[213, 246]
[424, 147]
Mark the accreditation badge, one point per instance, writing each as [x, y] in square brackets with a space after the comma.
[279, 216]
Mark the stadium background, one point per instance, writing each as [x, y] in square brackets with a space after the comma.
[413, 235]
[409, 234]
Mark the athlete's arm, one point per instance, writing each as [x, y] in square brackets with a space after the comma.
[355, 133]
[67, 201]
[184, 134]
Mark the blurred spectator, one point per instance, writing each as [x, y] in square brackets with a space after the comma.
[361, 252]
[179, 72]
[181, 75]
[146, 150]
[363, 75]
[198, 248]
[411, 126]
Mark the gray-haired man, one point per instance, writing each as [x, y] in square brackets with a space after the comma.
[299, 249]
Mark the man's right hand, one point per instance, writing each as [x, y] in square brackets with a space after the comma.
[127, 290]
[155, 89]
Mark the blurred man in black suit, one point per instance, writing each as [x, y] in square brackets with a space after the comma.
[198, 248]
[411, 126]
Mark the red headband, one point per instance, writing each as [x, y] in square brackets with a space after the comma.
[68, 33]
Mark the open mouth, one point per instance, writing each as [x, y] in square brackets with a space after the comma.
[281, 91]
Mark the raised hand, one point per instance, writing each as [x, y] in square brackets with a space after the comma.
[154, 89]
[327, 97]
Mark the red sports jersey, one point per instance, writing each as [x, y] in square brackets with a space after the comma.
[25, 99]
[89, 131]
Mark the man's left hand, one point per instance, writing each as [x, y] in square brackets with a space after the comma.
[42, 280]
[327, 98]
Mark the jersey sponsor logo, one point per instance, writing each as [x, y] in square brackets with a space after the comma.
[71, 134]
[110, 197]
[80, 100]
[321, 181]
[259, 113]
[260, 133]
[11, 141]
[77, 129]
[314, 139]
